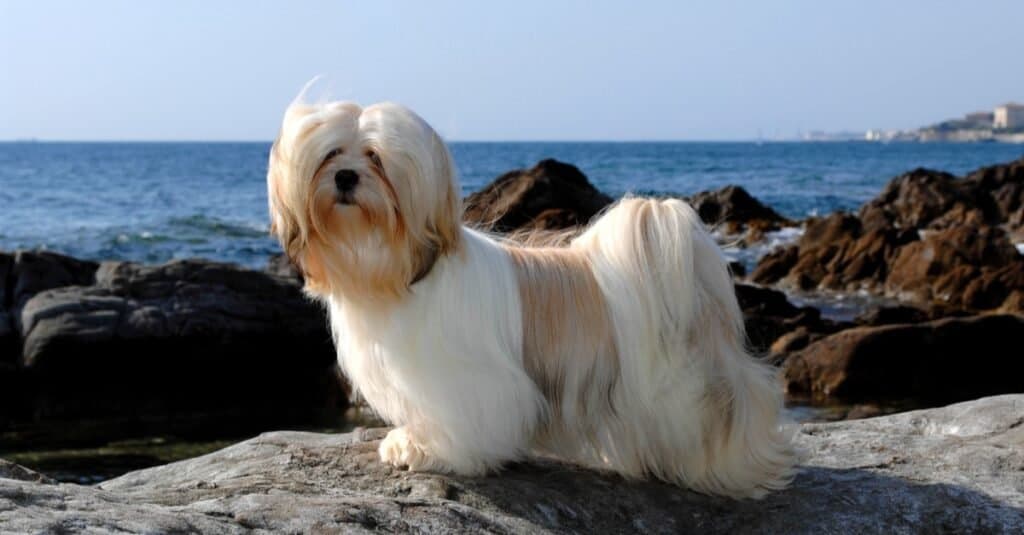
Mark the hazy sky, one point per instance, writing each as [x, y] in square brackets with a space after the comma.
[525, 70]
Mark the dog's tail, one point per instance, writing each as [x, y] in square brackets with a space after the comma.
[694, 407]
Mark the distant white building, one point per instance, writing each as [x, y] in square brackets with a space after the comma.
[1010, 115]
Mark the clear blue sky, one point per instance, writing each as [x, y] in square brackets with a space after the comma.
[523, 70]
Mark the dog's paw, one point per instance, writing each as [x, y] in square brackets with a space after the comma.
[400, 450]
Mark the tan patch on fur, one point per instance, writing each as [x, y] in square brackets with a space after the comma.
[568, 344]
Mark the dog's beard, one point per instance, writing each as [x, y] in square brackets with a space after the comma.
[359, 248]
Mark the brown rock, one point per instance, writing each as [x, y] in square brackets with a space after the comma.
[890, 315]
[768, 314]
[1004, 183]
[794, 340]
[775, 265]
[968, 267]
[834, 253]
[736, 210]
[549, 196]
[939, 361]
[921, 197]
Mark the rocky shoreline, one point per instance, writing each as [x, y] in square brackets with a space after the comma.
[80, 337]
[142, 344]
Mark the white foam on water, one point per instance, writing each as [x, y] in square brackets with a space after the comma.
[749, 256]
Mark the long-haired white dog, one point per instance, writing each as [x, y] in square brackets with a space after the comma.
[623, 348]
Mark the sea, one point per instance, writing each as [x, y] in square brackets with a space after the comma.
[153, 201]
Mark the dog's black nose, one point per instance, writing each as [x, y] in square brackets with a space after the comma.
[346, 180]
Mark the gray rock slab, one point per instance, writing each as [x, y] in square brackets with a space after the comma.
[958, 469]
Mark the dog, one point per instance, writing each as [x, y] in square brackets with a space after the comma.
[623, 348]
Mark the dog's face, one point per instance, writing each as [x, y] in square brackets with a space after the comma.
[364, 201]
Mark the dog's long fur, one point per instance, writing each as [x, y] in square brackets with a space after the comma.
[623, 348]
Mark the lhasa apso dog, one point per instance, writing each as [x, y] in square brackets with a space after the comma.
[623, 348]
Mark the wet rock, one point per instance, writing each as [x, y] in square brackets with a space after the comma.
[939, 361]
[768, 315]
[775, 265]
[551, 195]
[956, 469]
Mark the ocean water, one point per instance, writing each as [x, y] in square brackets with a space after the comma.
[152, 202]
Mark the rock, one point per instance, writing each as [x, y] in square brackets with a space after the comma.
[737, 269]
[940, 361]
[959, 267]
[26, 273]
[932, 199]
[794, 340]
[967, 267]
[775, 265]
[889, 315]
[281, 266]
[956, 469]
[31, 272]
[1004, 184]
[8, 333]
[9, 470]
[736, 210]
[834, 253]
[554, 196]
[922, 197]
[22, 275]
[551, 195]
[928, 239]
[863, 410]
[187, 334]
[768, 315]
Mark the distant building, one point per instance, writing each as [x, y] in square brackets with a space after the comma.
[1009, 116]
[980, 118]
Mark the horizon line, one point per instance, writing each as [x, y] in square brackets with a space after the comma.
[268, 141]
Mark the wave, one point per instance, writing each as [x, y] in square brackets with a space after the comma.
[217, 226]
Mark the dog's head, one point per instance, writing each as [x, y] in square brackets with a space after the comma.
[364, 201]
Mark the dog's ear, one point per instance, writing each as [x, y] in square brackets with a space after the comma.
[442, 228]
[448, 219]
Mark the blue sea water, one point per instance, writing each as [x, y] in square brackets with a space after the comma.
[152, 202]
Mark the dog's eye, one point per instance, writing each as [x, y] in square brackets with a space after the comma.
[330, 155]
[374, 158]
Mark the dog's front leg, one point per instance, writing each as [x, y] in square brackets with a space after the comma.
[401, 450]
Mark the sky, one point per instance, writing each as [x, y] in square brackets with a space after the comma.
[523, 70]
